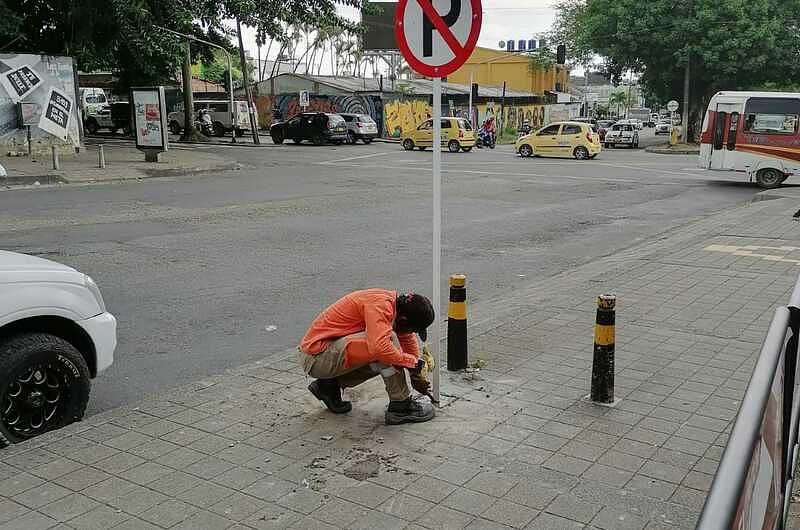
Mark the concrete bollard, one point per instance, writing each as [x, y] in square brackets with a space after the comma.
[56, 162]
[101, 155]
[457, 324]
[603, 362]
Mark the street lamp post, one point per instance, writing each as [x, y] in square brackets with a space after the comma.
[230, 75]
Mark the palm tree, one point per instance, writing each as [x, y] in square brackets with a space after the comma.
[618, 98]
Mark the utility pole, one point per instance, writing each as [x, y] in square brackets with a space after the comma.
[501, 124]
[253, 118]
[687, 84]
[188, 98]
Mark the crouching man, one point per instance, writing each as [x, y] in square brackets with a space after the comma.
[365, 334]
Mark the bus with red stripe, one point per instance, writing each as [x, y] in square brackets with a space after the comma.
[755, 133]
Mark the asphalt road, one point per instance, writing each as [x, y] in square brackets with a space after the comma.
[212, 271]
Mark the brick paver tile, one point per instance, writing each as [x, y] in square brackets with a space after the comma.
[485, 524]
[119, 463]
[366, 494]
[11, 510]
[405, 506]
[430, 489]
[443, 518]
[492, 483]
[205, 494]
[614, 519]
[272, 517]
[238, 478]
[373, 520]
[41, 495]
[204, 521]
[582, 450]
[69, 507]
[455, 472]
[531, 494]
[663, 471]
[302, 500]
[567, 464]
[339, 513]
[509, 514]
[146, 473]
[82, 478]
[608, 475]
[546, 521]
[651, 487]
[571, 507]
[101, 518]
[546, 441]
[136, 524]
[492, 445]
[29, 521]
[169, 513]
[55, 469]
[19, 483]
[471, 502]
[236, 507]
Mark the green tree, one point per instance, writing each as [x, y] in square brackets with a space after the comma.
[617, 100]
[730, 44]
[121, 35]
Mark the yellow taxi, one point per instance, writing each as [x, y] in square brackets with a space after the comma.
[564, 138]
[457, 135]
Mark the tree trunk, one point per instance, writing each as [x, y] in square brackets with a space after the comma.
[686, 94]
[253, 119]
[188, 98]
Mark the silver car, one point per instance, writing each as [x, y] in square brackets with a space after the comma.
[360, 127]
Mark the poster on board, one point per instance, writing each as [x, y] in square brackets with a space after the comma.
[58, 109]
[149, 118]
[21, 81]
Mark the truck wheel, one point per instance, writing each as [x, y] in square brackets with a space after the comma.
[769, 178]
[44, 385]
[92, 126]
[175, 127]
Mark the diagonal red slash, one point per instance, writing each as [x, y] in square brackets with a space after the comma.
[440, 25]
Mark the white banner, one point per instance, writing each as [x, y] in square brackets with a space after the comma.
[58, 110]
[147, 116]
[20, 82]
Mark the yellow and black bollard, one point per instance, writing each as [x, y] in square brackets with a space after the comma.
[603, 362]
[457, 324]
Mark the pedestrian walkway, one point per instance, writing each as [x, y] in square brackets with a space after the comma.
[123, 162]
[515, 445]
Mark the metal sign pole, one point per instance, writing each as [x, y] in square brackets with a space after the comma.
[437, 231]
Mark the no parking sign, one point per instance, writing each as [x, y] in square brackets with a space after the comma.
[436, 37]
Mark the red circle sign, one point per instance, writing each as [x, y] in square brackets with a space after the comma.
[436, 44]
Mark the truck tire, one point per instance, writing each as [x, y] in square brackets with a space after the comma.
[44, 385]
[770, 178]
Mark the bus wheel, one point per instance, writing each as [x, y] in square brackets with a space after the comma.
[770, 178]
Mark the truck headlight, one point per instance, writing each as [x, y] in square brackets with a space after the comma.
[95, 290]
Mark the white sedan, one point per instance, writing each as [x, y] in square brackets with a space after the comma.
[55, 336]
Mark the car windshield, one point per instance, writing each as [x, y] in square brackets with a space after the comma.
[335, 119]
[363, 118]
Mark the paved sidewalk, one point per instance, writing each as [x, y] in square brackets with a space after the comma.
[123, 162]
[516, 446]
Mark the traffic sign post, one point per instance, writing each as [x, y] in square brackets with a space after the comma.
[672, 106]
[436, 37]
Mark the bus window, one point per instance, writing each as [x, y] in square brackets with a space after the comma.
[772, 115]
[732, 130]
[719, 130]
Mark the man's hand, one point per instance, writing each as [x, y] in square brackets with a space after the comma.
[418, 368]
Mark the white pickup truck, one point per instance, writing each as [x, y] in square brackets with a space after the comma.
[220, 113]
[55, 336]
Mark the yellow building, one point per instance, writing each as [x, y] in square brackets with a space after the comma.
[493, 67]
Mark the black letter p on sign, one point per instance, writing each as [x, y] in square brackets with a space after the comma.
[427, 26]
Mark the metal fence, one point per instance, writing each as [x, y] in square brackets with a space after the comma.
[753, 483]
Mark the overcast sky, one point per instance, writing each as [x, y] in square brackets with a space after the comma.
[502, 20]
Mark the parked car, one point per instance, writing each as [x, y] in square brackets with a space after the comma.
[318, 127]
[55, 336]
[457, 135]
[622, 134]
[220, 117]
[566, 138]
[664, 126]
[360, 127]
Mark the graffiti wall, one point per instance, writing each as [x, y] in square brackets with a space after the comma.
[40, 90]
[403, 115]
[289, 105]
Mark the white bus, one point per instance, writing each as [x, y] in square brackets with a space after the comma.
[755, 133]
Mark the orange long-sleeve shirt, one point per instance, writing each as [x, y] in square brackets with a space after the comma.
[372, 311]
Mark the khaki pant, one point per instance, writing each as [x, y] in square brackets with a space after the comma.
[330, 365]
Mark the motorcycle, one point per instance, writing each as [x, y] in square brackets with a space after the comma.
[486, 139]
[204, 123]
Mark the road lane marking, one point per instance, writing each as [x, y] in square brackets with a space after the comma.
[327, 162]
[749, 251]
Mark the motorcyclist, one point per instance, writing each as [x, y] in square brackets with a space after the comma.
[488, 132]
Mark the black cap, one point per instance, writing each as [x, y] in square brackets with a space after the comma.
[418, 311]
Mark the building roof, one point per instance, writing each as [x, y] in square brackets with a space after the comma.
[412, 86]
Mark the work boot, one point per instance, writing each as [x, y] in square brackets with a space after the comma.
[329, 392]
[409, 411]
